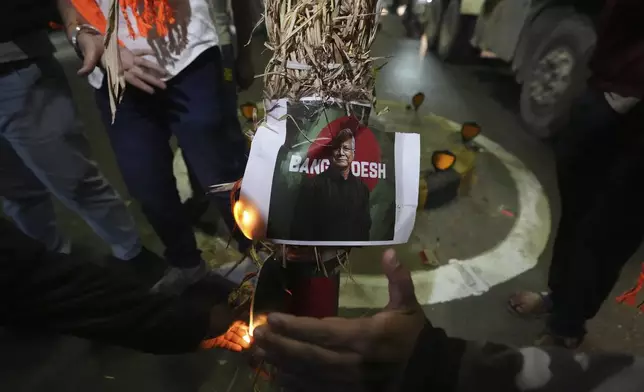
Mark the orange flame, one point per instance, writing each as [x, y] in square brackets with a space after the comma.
[248, 219]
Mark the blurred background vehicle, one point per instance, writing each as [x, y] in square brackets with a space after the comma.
[547, 43]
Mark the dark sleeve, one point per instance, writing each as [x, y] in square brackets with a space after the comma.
[441, 363]
[435, 362]
[40, 290]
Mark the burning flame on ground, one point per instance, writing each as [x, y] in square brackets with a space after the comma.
[254, 323]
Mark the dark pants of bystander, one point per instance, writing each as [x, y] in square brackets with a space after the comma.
[600, 161]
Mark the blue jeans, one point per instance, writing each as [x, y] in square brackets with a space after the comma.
[43, 151]
[199, 109]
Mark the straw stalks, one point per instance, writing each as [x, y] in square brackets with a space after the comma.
[112, 59]
[321, 48]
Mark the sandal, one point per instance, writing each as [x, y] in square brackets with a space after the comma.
[530, 304]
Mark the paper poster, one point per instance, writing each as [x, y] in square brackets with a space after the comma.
[317, 176]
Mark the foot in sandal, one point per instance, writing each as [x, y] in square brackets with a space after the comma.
[530, 304]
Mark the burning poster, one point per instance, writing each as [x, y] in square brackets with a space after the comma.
[317, 176]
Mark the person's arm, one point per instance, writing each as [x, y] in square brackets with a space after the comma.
[440, 363]
[41, 291]
[397, 349]
[70, 17]
[90, 41]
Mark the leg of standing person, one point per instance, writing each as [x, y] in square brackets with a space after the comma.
[230, 121]
[204, 120]
[39, 122]
[140, 139]
[592, 134]
[601, 224]
[28, 202]
[586, 137]
[197, 205]
[606, 237]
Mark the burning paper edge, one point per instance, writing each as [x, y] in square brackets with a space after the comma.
[258, 178]
[112, 59]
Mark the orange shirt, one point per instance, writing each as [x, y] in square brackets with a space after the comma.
[155, 13]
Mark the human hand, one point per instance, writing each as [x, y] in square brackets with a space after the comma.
[92, 47]
[346, 354]
[141, 73]
[244, 69]
[236, 338]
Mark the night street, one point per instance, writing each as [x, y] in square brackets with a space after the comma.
[514, 199]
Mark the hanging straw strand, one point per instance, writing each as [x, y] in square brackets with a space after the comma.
[112, 59]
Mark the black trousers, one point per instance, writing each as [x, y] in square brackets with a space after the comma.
[199, 108]
[600, 162]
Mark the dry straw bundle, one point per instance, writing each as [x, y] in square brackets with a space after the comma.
[321, 48]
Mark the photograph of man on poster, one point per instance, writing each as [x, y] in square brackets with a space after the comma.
[334, 178]
[334, 205]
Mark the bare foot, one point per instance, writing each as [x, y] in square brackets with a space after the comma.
[530, 304]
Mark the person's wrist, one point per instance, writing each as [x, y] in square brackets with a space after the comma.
[79, 32]
[69, 30]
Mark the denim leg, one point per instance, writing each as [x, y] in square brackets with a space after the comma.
[40, 123]
[141, 142]
[203, 116]
[27, 201]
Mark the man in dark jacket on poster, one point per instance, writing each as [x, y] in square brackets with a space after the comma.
[333, 205]
[600, 161]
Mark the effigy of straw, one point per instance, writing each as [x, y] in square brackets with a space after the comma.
[321, 48]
